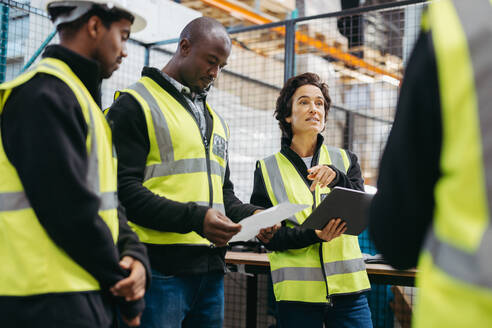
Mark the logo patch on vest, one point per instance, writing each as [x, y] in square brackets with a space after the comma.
[219, 146]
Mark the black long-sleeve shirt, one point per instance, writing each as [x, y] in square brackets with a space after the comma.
[402, 209]
[293, 238]
[149, 210]
[44, 136]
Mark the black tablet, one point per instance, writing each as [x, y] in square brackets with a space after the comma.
[351, 206]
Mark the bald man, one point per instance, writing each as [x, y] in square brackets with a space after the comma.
[174, 178]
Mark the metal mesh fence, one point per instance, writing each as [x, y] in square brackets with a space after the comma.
[245, 94]
[359, 53]
[237, 286]
[24, 30]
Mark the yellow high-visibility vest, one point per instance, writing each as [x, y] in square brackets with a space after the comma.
[31, 262]
[455, 265]
[300, 274]
[180, 166]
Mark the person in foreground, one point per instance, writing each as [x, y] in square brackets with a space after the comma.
[174, 178]
[68, 256]
[318, 276]
[434, 199]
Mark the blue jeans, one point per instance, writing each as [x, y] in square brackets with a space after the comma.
[186, 301]
[348, 311]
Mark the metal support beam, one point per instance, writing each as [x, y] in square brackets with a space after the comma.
[147, 56]
[348, 131]
[4, 36]
[290, 43]
[251, 300]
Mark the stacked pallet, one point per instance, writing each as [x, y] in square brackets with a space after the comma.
[272, 10]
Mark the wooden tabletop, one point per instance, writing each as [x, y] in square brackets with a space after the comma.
[388, 270]
[261, 259]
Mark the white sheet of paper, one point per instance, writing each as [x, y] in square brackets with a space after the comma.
[252, 224]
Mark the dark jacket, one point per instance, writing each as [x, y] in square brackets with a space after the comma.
[402, 209]
[44, 136]
[292, 238]
[159, 213]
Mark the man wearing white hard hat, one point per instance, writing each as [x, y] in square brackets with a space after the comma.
[68, 257]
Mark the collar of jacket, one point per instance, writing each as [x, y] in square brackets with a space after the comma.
[184, 89]
[296, 160]
[156, 75]
[87, 70]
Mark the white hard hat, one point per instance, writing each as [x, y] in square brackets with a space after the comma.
[83, 6]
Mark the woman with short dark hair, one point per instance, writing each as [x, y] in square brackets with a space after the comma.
[318, 276]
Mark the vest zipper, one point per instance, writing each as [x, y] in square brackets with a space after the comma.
[209, 175]
[322, 262]
[328, 297]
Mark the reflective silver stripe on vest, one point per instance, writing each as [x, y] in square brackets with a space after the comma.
[163, 135]
[474, 268]
[476, 21]
[13, 201]
[277, 183]
[336, 158]
[109, 200]
[315, 274]
[347, 266]
[478, 29]
[219, 207]
[182, 166]
[297, 274]
[164, 142]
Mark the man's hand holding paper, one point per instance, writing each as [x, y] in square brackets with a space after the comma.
[267, 219]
